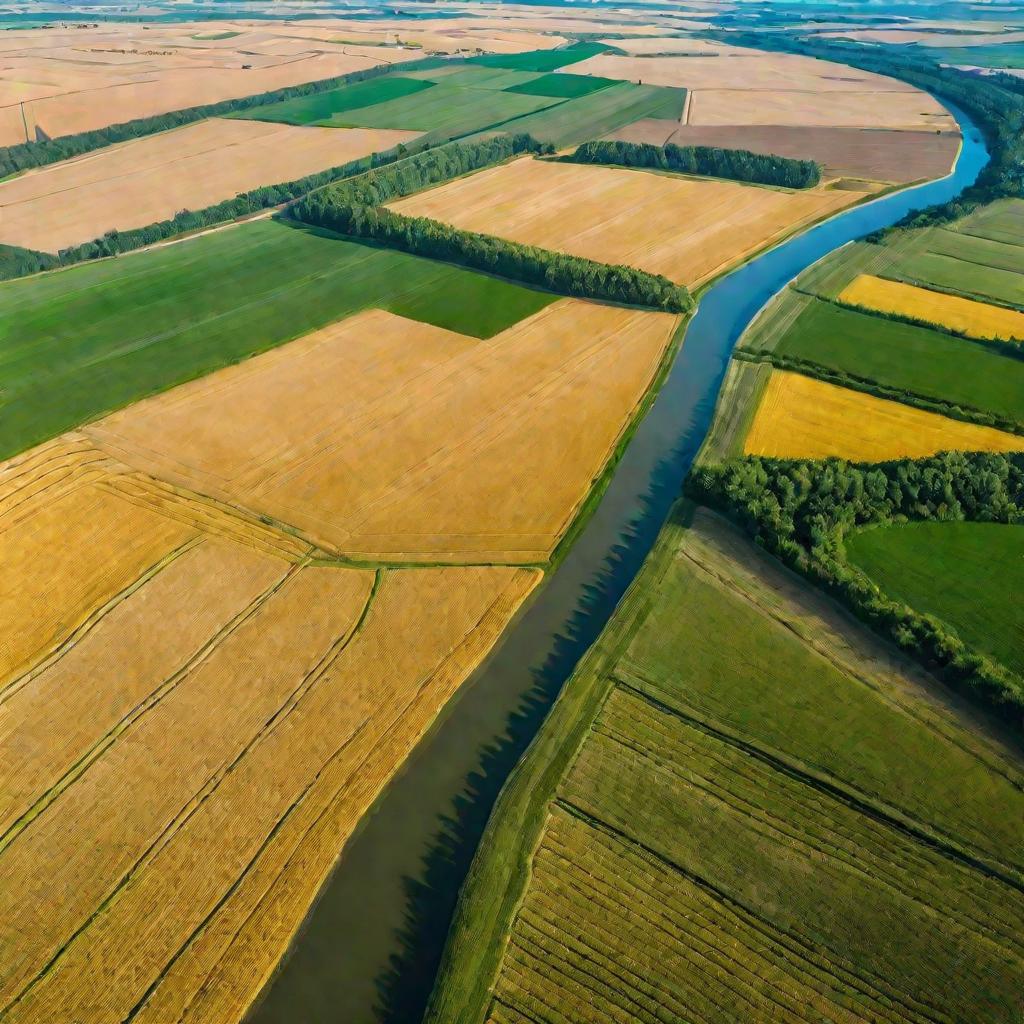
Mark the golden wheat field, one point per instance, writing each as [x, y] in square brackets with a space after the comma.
[978, 319]
[686, 229]
[803, 418]
[193, 721]
[385, 438]
[152, 178]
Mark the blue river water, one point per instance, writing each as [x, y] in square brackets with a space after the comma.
[369, 949]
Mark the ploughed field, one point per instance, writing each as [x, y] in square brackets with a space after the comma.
[153, 178]
[687, 229]
[903, 348]
[743, 807]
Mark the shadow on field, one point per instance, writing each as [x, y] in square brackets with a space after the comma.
[404, 988]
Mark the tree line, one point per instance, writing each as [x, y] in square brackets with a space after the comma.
[26, 155]
[735, 164]
[553, 271]
[801, 511]
[430, 167]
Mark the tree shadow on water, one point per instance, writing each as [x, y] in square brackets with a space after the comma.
[404, 987]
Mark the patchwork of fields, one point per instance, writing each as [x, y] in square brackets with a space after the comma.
[689, 837]
[687, 229]
[153, 178]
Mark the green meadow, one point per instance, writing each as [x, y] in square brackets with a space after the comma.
[79, 343]
[970, 575]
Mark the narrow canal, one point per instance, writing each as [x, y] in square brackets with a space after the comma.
[370, 948]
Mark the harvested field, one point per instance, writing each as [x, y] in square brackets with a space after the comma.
[93, 338]
[739, 801]
[157, 84]
[426, 414]
[978, 319]
[911, 110]
[803, 418]
[152, 178]
[224, 804]
[686, 229]
[872, 154]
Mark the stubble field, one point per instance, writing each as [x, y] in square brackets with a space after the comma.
[359, 435]
[686, 229]
[153, 178]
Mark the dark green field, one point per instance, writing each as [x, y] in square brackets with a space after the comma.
[322, 106]
[970, 575]
[81, 342]
[994, 55]
[592, 116]
[911, 359]
[567, 86]
[542, 60]
[720, 823]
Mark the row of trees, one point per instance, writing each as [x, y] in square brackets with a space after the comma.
[736, 164]
[48, 151]
[17, 262]
[802, 510]
[430, 167]
[554, 271]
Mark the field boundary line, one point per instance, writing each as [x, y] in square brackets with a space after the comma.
[92, 620]
[831, 786]
[872, 989]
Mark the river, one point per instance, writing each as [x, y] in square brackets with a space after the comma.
[370, 947]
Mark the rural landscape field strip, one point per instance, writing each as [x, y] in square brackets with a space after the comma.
[618, 215]
[153, 178]
[976, 319]
[800, 417]
[953, 570]
[444, 412]
[741, 882]
[88, 340]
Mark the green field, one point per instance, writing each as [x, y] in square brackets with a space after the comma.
[567, 86]
[954, 275]
[970, 575]
[322, 106]
[909, 358]
[1002, 221]
[981, 252]
[473, 77]
[444, 110]
[718, 822]
[992, 55]
[592, 116]
[81, 342]
[542, 60]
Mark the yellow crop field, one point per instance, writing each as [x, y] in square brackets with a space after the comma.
[684, 228]
[186, 853]
[153, 178]
[978, 319]
[387, 439]
[803, 418]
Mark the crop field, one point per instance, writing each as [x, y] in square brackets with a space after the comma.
[322, 106]
[594, 115]
[995, 55]
[359, 434]
[803, 418]
[864, 153]
[743, 808]
[228, 714]
[91, 339]
[949, 273]
[984, 252]
[978, 319]
[910, 359]
[566, 86]
[960, 572]
[1002, 221]
[686, 229]
[61, 82]
[153, 178]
